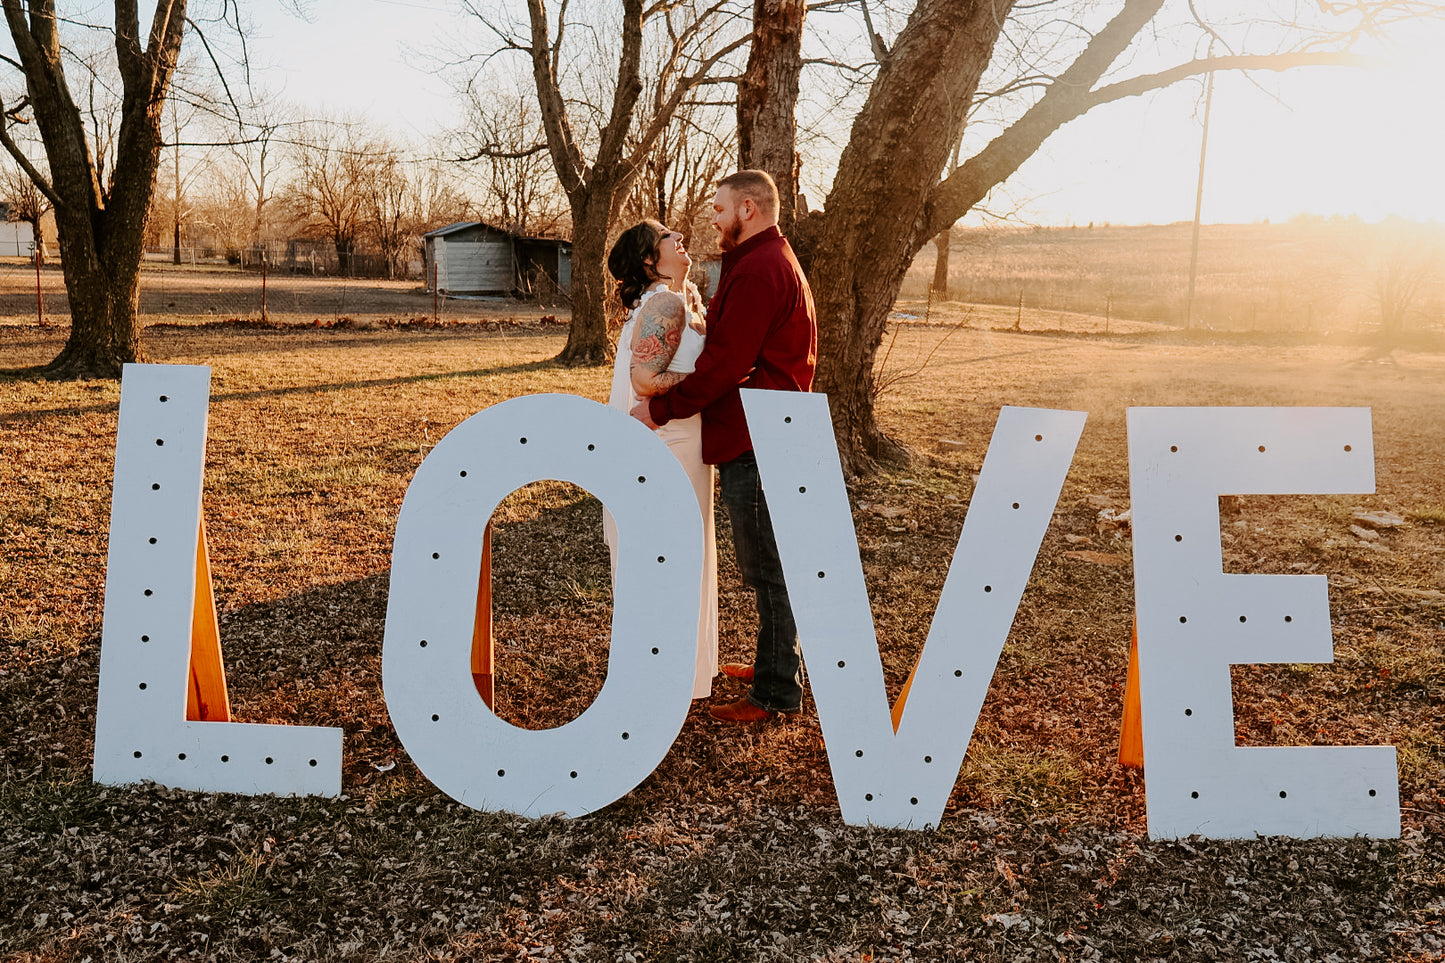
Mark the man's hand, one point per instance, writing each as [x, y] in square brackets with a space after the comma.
[642, 414]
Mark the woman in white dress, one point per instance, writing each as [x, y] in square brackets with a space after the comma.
[658, 345]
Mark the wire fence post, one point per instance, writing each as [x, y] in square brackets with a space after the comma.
[39, 301]
[264, 316]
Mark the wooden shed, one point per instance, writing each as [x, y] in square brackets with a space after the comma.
[470, 257]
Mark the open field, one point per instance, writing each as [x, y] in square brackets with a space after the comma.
[733, 848]
[1311, 276]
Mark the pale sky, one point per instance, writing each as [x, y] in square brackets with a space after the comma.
[1322, 140]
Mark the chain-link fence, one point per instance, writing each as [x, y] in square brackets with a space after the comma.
[202, 292]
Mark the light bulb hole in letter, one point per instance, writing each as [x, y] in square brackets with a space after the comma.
[136, 753]
[841, 663]
[165, 398]
[436, 554]
[1194, 794]
[1189, 712]
[1349, 448]
[868, 796]
[270, 761]
[1038, 437]
[152, 540]
[1016, 505]
[156, 487]
[1372, 792]
[181, 756]
[988, 588]
[160, 441]
[522, 440]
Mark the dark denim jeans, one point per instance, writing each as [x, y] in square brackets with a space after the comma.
[778, 667]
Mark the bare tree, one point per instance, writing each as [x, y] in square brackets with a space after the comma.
[678, 179]
[334, 166]
[767, 99]
[692, 39]
[100, 214]
[503, 140]
[1407, 259]
[887, 197]
[389, 203]
[26, 203]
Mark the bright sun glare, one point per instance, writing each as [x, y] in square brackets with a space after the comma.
[1328, 141]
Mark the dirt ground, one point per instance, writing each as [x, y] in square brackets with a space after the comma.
[734, 847]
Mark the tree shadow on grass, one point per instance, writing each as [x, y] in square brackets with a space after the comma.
[38, 414]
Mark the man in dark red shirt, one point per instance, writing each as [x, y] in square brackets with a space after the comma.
[761, 333]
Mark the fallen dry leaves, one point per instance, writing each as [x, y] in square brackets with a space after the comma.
[733, 848]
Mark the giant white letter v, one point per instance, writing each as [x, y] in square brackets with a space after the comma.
[885, 777]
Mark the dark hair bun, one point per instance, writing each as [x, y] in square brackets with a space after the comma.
[632, 258]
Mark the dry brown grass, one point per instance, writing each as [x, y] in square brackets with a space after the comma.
[734, 847]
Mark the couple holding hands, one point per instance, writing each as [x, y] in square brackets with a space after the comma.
[679, 372]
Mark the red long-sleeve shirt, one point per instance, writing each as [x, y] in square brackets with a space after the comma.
[761, 333]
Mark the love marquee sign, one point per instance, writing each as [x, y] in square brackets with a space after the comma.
[891, 766]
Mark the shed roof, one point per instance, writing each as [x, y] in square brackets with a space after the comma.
[459, 226]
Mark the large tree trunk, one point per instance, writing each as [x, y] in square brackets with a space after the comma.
[940, 262]
[768, 99]
[873, 223]
[100, 227]
[587, 336]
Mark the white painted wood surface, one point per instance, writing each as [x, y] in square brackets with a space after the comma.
[463, 747]
[1195, 621]
[141, 732]
[903, 779]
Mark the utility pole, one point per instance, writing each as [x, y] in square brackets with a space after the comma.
[1198, 201]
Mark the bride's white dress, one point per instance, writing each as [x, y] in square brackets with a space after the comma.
[684, 438]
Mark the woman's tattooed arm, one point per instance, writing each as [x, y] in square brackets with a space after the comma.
[654, 341]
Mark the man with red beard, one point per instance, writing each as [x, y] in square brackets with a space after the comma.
[761, 333]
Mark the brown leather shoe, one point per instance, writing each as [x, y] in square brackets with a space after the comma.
[736, 670]
[740, 711]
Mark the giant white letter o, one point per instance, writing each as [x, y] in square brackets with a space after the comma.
[455, 740]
